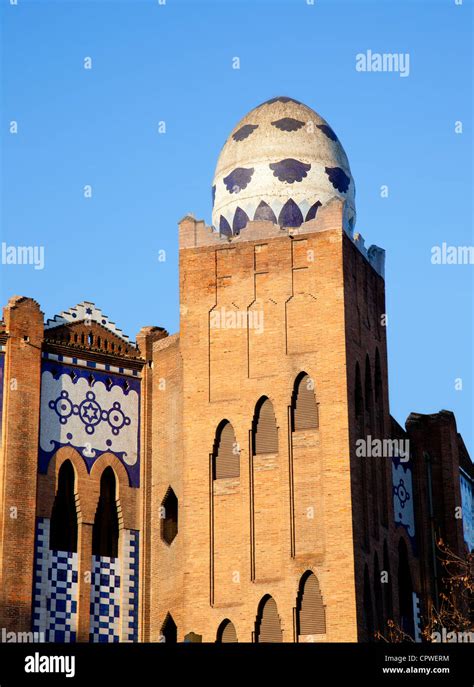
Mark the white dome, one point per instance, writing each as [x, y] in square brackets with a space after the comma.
[281, 163]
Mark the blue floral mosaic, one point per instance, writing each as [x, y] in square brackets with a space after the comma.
[338, 178]
[290, 215]
[224, 226]
[311, 214]
[290, 170]
[281, 99]
[264, 213]
[90, 412]
[328, 131]
[94, 411]
[244, 132]
[288, 124]
[238, 179]
[240, 221]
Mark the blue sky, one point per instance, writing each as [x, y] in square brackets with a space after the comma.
[173, 63]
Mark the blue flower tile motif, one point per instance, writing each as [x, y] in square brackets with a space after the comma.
[401, 493]
[238, 179]
[290, 170]
[288, 124]
[224, 227]
[244, 132]
[311, 214]
[240, 220]
[264, 213]
[281, 99]
[90, 412]
[338, 178]
[63, 407]
[290, 215]
[328, 131]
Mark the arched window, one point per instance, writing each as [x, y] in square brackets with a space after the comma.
[265, 433]
[268, 625]
[63, 528]
[226, 633]
[226, 455]
[368, 612]
[379, 624]
[169, 517]
[105, 533]
[169, 631]
[310, 611]
[304, 411]
[405, 591]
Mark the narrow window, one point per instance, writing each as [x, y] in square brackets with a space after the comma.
[311, 614]
[226, 634]
[63, 528]
[169, 630]
[405, 591]
[303, 406]
[169, 517]
[226, 456]
[265, 433]
[105, 533]
[268, 624]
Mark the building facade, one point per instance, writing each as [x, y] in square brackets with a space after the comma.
[243, 479]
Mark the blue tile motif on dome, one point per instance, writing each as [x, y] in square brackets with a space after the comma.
[281, 99]
[288, 124]
[244, 132]
[224, 227]
[290, 215]
[213, 195]
[264, 213]
[240, 221]
[338, 178]
[311, 214]
[238, 179]
[328, 131]
[290, 170]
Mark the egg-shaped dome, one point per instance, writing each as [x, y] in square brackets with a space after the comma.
[280, 163]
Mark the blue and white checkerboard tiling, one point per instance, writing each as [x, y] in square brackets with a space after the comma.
[105, 599]
[55, 589]
[130, 586]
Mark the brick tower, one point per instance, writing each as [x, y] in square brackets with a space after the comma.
[243, 479]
